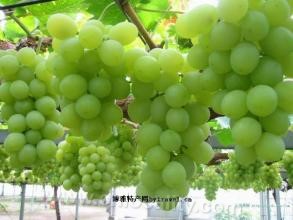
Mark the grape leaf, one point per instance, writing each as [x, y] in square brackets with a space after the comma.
[224, 136]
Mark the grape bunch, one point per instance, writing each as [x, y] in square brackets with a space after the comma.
[67, 158]
[209, 180]
[4, 165]
[29, 108]
[242, 59]
[47, 173]
[96, 167]
[89, 69]
[288, 165]
[121, 145]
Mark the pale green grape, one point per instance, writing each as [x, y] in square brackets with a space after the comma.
[198, 113]
[177, 96]
[244, 155]
[277, 11]
[200, 154]
[147, 69]
[26, 56]
[198, 57]
[268, 72]
[256, 4]
[171, 60]
[148, 135]
[244, 58]
[111, 52]
[46, 105]
[270, 147]
[278, 43]
[37, 88]
[262, 100]
[25, 74]
[170, 140]
[224, 36]
[60, 67]
[231, 10]
[147, 178]
[5, 95]
[156, 52]
[139, 110]
[9, 65]
[24, 106]
[287, 65]
[90, 36]
[177, 119]
[165, 80]
[284, 91]
[7, 111]
[173, 174]
[142, 90]
[52, 130]
[61, 26]
[88, 65]
[157, 158]
[234, 104]
[277, 123]
[35, 120]
[192, 136]
[100, 87]
[46, 149]
[217, 101]
[255, 26]
[211, 81]
[111, 114]
[159, 109]
[33, 136]
[235, 81]
[246, 132]
[123, 32]
[188, 164]
[19, 89]
[120, 88]
[219, 62]
[71, 49]
[92, 129]
[14, 142]
[132, 55]
[87, 106]
[192, 81]
[73, 86]
[28, 154]
[16, 123]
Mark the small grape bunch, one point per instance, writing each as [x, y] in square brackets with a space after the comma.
[288, 165]
[96, 168]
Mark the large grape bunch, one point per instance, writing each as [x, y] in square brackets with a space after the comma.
[243, 56]
[67, 158]
[29, 108]
[171, 137]
[4, 165]
[89, 68]
[96, 168]
[288, 165]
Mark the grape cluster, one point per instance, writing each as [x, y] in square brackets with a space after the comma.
[67, 157]
[210, 180]
[96, 169]
[89, 69]
[121, 145]
[29, 108]
[4, 165]
[288, 165]
[47, 173]
[242, 59]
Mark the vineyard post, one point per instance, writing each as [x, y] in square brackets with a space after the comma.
[22, 201]
[268, 204]
[2, 193]
[278, 203]
[77, 206]
[56, 200]
[45, 196]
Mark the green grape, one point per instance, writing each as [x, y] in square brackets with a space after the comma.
[146, 69]
[156, 52]
[278, 43]
[283, 90]
[268, 72]
[277, 11]
[287, 163]
[33, 136]
[5, 94]
[192, 81]
[25, 74]
[111, 114]
[19, 89]
[90, 36]
[16, 123]
[35, 120]
[148, 135]
[6, 111]
[142, 90]
[91, 129]
[269, 147]
[88, 65]
[287, 65]
[234, 104]
[166, 80]
[26, 56]
[120, 88]
[277, 123]
[52, 130]
[244, 58]
[201, 153]
[173, 174]
[211, 81]
[224, 36]
[255, 26]
[28, 154]
[198, 20]
[157, 158]
[139, 110]
[46, 105]
[73, 86]
[244, 155]
[262, 100]
[60, 67]
[61, 26]
[159, 109]
[246, 132]
[87, 106]
[232, 11]
[132, 55]
[198, 113]
[24, 106]
[235, 81]
[111, 52]
[46, 149]
[217, 101]
[9, 65]
[14, 142]
[176, 96]
[170, 140]
[198, 57]
[100, 87]
[71, 49]
[123, 32]
[171, 60]
[188, 164]
[177, 119]
[69, 118]
[219, 62]
[37, 88]
[192, 136]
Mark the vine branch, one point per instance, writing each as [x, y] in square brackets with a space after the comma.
[20, 24]
[158, 11]
[129, 12]
[22, 4]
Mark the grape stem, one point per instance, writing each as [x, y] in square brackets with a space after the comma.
[159, 11]
[131, 15]
[20, 24]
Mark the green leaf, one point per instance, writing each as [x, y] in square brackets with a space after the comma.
[224, 137]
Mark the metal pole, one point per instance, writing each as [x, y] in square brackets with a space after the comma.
[278, 204]
[22, 201]
[263, 214]
[2, 194]
[77, 206]
[268, 205]
[112, 204]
